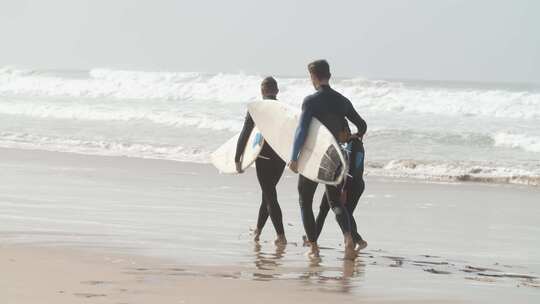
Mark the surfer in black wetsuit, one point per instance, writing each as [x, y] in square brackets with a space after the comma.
[330, 108]
[269, 168]
[352, 187]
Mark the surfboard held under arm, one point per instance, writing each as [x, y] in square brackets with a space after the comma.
[223, 157]
[320, 159]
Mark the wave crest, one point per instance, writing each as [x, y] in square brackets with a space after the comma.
[106, 148]
[374, 95]
[521, 141]
[455, 171]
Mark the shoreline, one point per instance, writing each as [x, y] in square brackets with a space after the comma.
[373, 169]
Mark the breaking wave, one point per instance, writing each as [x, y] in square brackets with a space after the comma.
[417, 130]
[372, 95]
[521, 141]
[456, 171]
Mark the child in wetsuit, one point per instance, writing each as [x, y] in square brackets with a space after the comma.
[352, 187]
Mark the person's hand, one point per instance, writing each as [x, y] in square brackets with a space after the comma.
[239, 167]
[357, 135]
[344, 137]
[293, 165]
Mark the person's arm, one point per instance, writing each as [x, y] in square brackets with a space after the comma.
[301, 131]
[243, 138]
[355, 118]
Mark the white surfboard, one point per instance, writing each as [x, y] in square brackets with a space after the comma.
[223, 157]
[321, 159]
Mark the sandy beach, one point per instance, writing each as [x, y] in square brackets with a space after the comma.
[94, 229]
[45, 275]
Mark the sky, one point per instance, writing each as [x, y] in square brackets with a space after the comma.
[462, 40]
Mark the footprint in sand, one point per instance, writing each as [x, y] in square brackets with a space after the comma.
[423, 263]
[481, 279]
[95, 282]
[398, 261]
[508, 275]
[89, 295]
[435, 271]
[530, 283]
[469, 268]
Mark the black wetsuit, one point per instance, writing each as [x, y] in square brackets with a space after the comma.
[352, 188]
[330, 108]
[269, 168]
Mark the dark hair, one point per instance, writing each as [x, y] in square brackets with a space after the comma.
[269, 84]
[320, 68]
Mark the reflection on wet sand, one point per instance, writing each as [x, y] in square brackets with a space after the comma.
[334, 280]
[332, 274]
[267, 262]
[269, 266]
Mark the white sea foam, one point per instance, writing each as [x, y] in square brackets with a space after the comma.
[396, 97]
[106, 148]
[104, 83]
[420, 169]
[457, 171]
[104, 112]
[240, 88]
[415, 129]
[521, 141]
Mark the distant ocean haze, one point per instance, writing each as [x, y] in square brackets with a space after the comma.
[428, 130]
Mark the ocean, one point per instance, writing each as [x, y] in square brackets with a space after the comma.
[426, 130]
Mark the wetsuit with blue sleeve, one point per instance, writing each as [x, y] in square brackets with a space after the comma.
[330, 108]
[269, 167]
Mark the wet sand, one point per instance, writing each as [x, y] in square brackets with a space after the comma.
[430, 242]
[44, 275]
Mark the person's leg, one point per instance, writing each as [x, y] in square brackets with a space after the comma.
[272, 205]
[261, 219]
[341, 213]
[321, 216]
[358, 240]
[306, 190]
[263, 209]
[325, 207]
[269, 172]
[356, 188]
[274, 172]
[343, 219]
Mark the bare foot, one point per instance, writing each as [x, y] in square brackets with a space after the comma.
[256, 235]
[350, 253]
[306, 242]
[360, 244]
[313, 252]
[280, 240]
